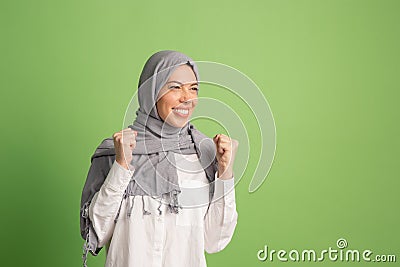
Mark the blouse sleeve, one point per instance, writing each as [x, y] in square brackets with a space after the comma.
[106, 202]
[221, 217]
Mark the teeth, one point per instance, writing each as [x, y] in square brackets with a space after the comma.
[182, 111]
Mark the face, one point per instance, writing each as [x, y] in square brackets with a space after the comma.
[178, 97]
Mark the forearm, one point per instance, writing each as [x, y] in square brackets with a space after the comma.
[105, 204]
[221, 217]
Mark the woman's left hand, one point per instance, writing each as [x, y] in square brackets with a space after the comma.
[226, 152]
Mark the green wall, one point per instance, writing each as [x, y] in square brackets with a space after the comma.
[329, 70]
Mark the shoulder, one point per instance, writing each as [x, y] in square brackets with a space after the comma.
[202, 141]
[196, 132]
[106, 148]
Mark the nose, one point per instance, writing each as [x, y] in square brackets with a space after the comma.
[185, 96]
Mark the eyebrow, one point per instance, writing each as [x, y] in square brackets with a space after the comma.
[182, 83]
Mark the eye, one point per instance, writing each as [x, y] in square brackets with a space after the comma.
[174, 87]
[194, 88]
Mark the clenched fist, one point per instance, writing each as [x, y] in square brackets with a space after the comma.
[226, 152]
[124, 143]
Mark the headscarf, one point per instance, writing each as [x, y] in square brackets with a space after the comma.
[155, 173]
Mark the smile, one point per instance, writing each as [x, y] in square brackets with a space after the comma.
[181, 112]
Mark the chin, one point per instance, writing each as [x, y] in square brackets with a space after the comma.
[177, 124]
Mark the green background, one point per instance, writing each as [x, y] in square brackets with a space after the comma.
[329, 70]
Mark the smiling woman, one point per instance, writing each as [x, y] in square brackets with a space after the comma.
[178, 97]
[153, 196]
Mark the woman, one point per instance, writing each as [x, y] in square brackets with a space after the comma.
[160, 193]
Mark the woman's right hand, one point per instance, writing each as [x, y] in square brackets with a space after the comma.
[124, 143]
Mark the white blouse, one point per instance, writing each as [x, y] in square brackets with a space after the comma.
[162, 238]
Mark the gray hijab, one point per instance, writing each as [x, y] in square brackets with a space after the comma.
[155, 173]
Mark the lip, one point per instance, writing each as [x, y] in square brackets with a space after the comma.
[180, 114]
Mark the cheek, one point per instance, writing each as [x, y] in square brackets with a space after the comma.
[168, 102]
[164, 106]
[195, 101]
[161, 110]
